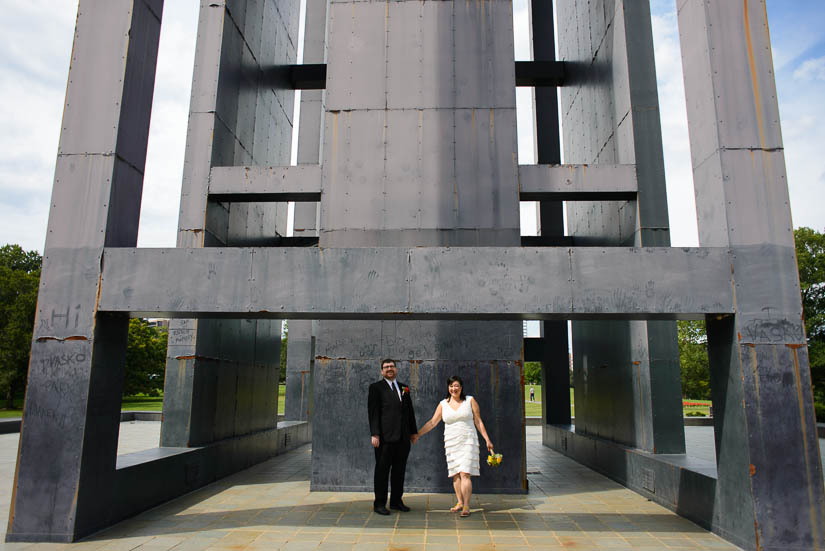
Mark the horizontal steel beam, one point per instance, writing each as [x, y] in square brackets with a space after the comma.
[309, 76]
[313, 76]
[540, 73]
[265, 184]
[547, 241]
[577, 182]
[488, 283]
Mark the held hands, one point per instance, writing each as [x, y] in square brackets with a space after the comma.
[414, 438]
[375, 441]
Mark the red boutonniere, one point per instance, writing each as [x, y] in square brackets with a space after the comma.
[406, 390]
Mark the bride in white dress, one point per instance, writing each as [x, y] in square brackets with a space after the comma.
[461, 418]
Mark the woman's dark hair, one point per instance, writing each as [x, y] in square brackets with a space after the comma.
[456, 379]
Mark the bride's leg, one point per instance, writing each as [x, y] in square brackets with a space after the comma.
[466, 491]
[457, 488]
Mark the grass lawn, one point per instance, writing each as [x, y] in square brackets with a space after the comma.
[16, 411]
[531, 409]
[132, 403]
[147, 403]
[142, 403]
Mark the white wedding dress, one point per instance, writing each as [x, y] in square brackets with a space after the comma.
[460, 438]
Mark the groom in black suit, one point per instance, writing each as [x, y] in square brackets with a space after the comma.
[392, 424]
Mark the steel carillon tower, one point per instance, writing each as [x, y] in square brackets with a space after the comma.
[406, 244]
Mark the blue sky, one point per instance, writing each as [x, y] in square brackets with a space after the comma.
[35, 45]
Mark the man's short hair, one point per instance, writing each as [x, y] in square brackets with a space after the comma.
[387, 361]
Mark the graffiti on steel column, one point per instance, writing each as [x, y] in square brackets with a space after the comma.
[772, 331]
[53, 365]
[60, 319]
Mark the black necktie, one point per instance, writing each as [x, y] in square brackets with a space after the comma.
[395, 389]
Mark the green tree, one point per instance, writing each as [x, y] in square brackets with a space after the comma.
[693, 359]
[19, 279]
[810, 255]
[145, 359]
[532, 373]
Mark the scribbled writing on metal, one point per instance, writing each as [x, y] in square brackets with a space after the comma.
[66, 361]
[54, 364]
[53, 416]
[772, 331]
[181, 336]
[60, 319]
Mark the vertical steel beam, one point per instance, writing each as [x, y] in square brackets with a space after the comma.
[310, 134]
[66, 464]
[633, 391]
[769, 493]
[299, 362]
[556, 376]
[222, 375]
[299, 357]
[419, 150]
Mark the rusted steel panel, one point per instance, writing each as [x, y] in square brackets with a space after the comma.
[770, 492]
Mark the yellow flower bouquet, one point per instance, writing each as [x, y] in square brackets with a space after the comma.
[494, 459]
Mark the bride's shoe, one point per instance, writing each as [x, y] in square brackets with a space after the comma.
[457, 508]
[465, 513]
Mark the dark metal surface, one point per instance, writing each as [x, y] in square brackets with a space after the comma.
[310, 76]
[409, 170]
[540, 73]
[419, 283]
[770, 492]
[66, 463]
[576, 183]
[342, 458]
[250, 184]
[626, 373]
[222, 375]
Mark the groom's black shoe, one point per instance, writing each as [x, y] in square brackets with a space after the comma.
[381, 510]
[399, 507]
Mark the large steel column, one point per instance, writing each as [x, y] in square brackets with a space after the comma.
[555, 383]
[299, 358]
[222, 375]
[63, 486]
[769, 492]
[626, 373]
[419, 150]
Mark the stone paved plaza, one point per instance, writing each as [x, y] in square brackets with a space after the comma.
[269, 506]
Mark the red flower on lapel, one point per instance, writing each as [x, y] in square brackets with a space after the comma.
[406, 390]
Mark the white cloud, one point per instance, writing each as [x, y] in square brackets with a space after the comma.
[673, 113]
[811, 69]
[35, 46]
[167, 135]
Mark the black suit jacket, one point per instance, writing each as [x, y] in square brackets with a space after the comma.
[391, 419]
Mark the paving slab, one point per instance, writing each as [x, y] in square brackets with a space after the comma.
[269, 506]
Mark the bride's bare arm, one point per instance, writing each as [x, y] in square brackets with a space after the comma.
[480, 424]
[430, 425]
